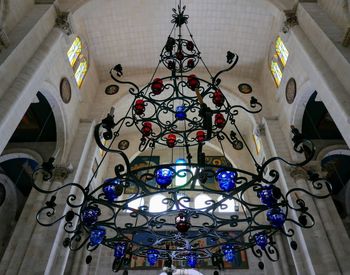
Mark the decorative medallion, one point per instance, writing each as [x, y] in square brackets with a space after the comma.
[291, 90]
[123, 144]
[245, 88]
[65, 90]
[2, 193]
[112, 89]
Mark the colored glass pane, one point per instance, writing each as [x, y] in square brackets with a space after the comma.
[282, 51]
[74, 51]
[81, 72]
[276, 72]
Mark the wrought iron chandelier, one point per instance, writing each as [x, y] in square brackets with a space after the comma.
[181, 112]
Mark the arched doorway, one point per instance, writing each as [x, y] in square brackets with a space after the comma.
[33, 140]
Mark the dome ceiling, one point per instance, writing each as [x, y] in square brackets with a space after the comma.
[133, 33]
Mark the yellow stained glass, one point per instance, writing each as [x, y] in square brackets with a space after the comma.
[74, 51]
[282, 51]
[81, 72]
[276, 72]
[257, 143]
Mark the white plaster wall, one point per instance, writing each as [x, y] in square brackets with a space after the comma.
[17, 9]
[338, 10]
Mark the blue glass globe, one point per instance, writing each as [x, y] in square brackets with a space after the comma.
[229, 252]
[276, 217]
[112, 189]
[89, 215]
[164, 176]
[226, 179]
[261, 240]
[266, 196]
[119, 249]
[97, 235]
[180, 113]
[192, 260]
[152, 256]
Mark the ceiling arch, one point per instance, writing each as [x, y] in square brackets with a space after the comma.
[133, 33]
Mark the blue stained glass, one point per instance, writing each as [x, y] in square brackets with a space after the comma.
[261, 240]
[226, 179]
[229, 252]
[119, 249]
[192, 260]
[97, 235]
[180, 112]
[90, 214]
[113, 189]
[152, 256]
[266, 196]
[276, 217]
[164, 176]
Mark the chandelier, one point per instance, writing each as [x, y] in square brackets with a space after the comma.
[182, 113]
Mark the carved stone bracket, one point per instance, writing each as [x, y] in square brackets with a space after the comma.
[291, 19]
[259, 130]
[60, 173]
[63, 22]
[299, 173]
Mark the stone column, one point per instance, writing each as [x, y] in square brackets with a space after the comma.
[314, 242]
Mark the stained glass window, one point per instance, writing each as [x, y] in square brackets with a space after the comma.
[276, 72]
[257, 143]
[74, 51]
[81, 71]
[282, 51]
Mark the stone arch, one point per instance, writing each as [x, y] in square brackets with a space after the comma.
[52, 95]
[303, 95]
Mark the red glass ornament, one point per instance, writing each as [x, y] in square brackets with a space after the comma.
[192, 82]
[190, 63]
[179, 55]
[171, 140]
[218, 98]
[147, 128]
[139, 107]
[190, 45]
[182, 223]
[219, 120]
[200, 136]
[157, 86]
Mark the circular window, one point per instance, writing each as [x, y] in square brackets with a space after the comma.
[245, 88]
[2, 193]
[112, 89]
[65, 90]
[291, 90]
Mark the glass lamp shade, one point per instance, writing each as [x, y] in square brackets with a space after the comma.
[219, 120]
[190, 63]
[192, 260]
[147, 128]
[200, 136]
[192, 82]
[276, 217]
[261, 240]
[112, 189]
[218, 98]
[164, 176]
[157, 86]
[89, 215]
[120, 249]
[171, 140]
[182, 223]
[189, 45]
[266, 196]
[226, 179]
[180, 113]
[152, 256]
[97, 235]
[139, 107]
[229, 252]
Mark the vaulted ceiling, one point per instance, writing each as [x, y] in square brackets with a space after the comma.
[133, 33]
